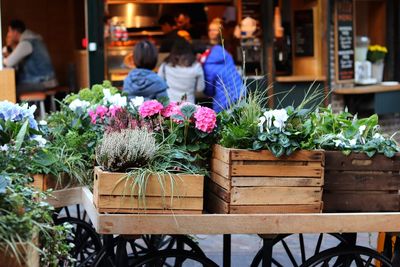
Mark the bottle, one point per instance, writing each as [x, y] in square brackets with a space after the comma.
[124, 35]
[282, 47]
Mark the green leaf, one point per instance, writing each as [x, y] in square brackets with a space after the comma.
[4, 182]
[370, 153]
[21, 135]
[188, 110]
[277, 150]
[45, 158]
[193, 147]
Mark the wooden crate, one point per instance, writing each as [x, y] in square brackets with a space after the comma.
[29, 256]
[359, 183]
[111, 196]
[244, 181]
[45, 182]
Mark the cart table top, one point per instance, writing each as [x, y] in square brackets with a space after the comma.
[132, 224]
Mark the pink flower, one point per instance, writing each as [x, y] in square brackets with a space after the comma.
[150, 108]
[113, 110]
[101, 111]
[169, 110]
[93, 116]
[206, 119]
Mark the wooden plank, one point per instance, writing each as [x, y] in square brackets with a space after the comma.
[215, 205]
[7, 85]
[336, 160]
[275, 195]
[276, 181]
[248, 224]
[29, 256]
[360, 201]
[301, 155]
[65, 197]
[178, 203]
[150, 211]
[221, 181]
[109, 183]
[369, 89]
[282, 171]
[88, 205]
[221, 168]
[38, 181]
[361, 181]
[221, 153]
[218, 190]
[263, 209]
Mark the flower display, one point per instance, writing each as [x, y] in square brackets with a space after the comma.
[137, 101]
[376, 53]
[78, 104]
[171, 109]
[150, 108]
[276, 117]
[205, 119]
[15, 113]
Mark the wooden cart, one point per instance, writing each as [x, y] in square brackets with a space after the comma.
[268, 226]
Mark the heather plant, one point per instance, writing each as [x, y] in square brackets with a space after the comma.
[125, 149]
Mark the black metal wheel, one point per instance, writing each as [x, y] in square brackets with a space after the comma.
[73, 211]
[292, 249]
[173, 258]
[345, 256]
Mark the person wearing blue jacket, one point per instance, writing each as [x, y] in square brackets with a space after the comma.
[142, 81]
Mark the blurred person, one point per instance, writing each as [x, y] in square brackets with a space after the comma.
[183, 74]
[222, 81]
[171, 33]
[183, 22]
[31, 59]
[142, 81]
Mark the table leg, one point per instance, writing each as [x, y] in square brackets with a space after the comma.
[227, 251]
[121, 257]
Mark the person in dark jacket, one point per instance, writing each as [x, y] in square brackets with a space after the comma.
[142, 81]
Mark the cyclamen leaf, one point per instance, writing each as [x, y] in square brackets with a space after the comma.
[4, 182]
[188, 110]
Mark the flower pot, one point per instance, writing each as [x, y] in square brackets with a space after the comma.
[29, 256]
[359, 183]
[184, 196]
[377, 70]
[245, 181]
[45, 182]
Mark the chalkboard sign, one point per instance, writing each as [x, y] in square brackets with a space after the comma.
[304, 33]
[344, 40]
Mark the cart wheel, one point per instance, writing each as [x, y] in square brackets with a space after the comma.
[173, 257]
[73, 211]
[152, 243]
[87, 243]
[292, 248]
[348, 256]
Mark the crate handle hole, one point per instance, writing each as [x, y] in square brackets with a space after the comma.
[361, 162]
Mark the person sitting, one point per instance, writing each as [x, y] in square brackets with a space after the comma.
[223, 82]
[183, 74]
[142, 81]
[31, 58]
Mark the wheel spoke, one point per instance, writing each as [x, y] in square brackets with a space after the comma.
[319, 243]
[289, 253]
[303, 252]
[276, 263]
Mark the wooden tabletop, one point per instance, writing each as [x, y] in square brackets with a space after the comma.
[369, 89]
[227, 223]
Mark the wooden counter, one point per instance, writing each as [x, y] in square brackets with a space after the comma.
[7, 85]
[369, 89]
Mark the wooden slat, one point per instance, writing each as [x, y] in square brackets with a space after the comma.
[88, 204]
[65, 197]
[150, 211]
[282, 171]
[361, 181]
[275, 195]
[361, 201]
[29, 256]
[216, 205]
[183, 186]
[336, 160]
[178, 203]
[221, 181]
[263, 209]
[218, 190]
[7, 85]
[220, 168]
[221, 153]
[276, 181]
[302, 155]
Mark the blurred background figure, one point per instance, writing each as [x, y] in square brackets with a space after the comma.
[183, 74]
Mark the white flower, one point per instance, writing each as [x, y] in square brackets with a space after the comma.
[280, 117]
[118, 100]
[107, 94]
[378, 136]
[353, 142]
[361, 129]
[43, 123]
[137, 101]
[4, 148]
[261, 123]
[338, 142]
[32, 109]
[79, 104]
[40, 140]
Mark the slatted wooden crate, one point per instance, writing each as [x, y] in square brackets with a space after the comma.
[244, 181]
[114, 197]
[44, 182]
[359, 183]
[29, 256]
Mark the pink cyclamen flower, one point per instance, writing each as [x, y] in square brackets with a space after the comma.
[150, 108]
[169, 110]
[93, 116]
[206, 119]
[101, 111]
[112, 111]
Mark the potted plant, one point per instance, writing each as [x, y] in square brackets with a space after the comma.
[361, 164]
[151, 158]
[376, 54]
[259, 165]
